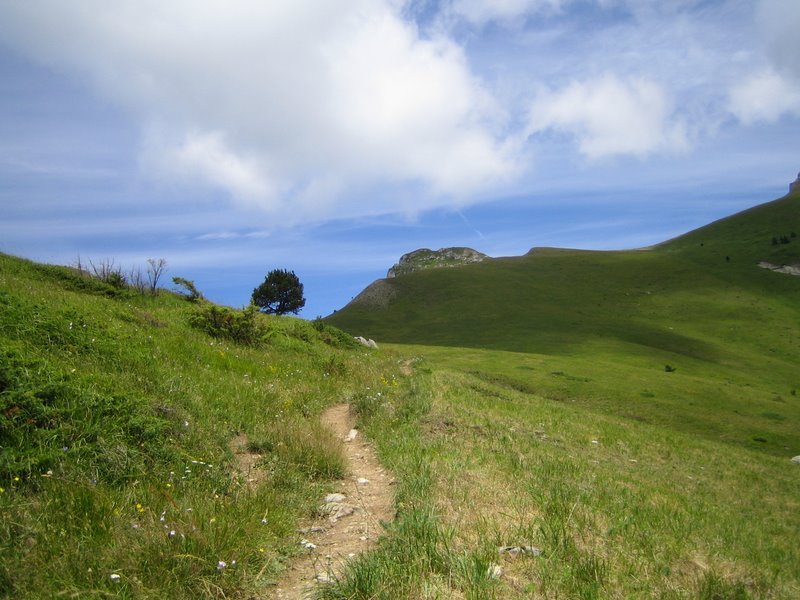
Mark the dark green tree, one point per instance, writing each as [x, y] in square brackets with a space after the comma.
[281, 293]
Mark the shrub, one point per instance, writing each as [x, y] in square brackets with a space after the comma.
[333, 336]
[190, 292]
[241, 326]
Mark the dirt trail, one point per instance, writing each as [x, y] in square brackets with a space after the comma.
[352, 523]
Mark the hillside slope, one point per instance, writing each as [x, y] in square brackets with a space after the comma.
[683, 296]
[118, 414]
[632, 416]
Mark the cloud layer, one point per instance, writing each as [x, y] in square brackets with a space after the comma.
[610, 116]
[280, 104]
[310, 110]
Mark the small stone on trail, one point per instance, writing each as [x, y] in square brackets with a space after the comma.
[352, 435]
[335, 498]
[308, 545]
[312, 530]
[796, 460]
[337, 510]
[362, 481]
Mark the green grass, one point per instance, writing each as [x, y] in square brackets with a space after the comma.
[620, 507]
[677, 300]
[116, 415]
[632, 414]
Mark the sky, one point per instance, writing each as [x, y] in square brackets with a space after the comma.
[329, 137]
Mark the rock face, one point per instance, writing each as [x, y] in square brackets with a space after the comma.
[788, 269]
[425, 258]
[795, 185]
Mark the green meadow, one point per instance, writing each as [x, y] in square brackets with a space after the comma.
[566, 424]
[632, 415]
[118, 410]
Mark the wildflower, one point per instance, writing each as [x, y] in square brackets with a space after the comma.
[114, 577]
[264, 521]
[172, 533]
[139, 507]
[221, 565]
[169, 485]
[2, 490]
[16, 477]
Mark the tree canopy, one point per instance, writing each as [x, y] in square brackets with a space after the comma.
[281, 293]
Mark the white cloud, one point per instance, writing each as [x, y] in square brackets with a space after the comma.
[765, 96]
[772, 90]
[609, 116]
[779, 22]
[284, 105]
[207, 158]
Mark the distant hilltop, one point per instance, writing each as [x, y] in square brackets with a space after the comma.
[795, 185]
[425, 258]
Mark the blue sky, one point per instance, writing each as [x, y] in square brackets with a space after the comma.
[330, 137]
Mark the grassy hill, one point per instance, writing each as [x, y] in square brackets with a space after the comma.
[553, 300]
[118, 477]
[632, 414]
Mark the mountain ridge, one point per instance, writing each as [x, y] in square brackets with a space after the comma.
[556, 298]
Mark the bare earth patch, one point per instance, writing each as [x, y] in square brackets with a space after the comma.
[352, 518]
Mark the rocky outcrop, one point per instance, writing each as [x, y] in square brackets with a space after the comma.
[795, 185]
[425, 258]
[788, 269]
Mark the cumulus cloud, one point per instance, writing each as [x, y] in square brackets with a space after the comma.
[283, 105]
[779, 22]
[610, 116]
[770, 89]
[765, 96]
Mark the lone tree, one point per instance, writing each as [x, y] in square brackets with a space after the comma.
[281, 293]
